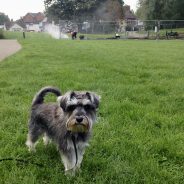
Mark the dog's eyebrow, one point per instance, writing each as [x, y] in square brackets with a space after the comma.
[79, 97]
[86, 102]
[73, 101]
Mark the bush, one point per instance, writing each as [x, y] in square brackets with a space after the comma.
[1, 34]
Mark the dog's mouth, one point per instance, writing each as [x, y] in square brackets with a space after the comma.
[80, 128]
[75, 126]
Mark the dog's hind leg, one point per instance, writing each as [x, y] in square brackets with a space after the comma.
[30, 144]
[32, 137]
[46, 139]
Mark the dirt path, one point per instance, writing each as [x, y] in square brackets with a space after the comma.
[8, 47]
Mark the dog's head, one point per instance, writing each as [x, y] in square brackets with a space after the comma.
[80, 110]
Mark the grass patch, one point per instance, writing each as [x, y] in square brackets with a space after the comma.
[140, 134]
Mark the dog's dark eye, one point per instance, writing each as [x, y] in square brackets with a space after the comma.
[88, 107]
[71, 108]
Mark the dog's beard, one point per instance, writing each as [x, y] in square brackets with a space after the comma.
[73, 126]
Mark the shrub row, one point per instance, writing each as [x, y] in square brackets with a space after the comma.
[1, 34]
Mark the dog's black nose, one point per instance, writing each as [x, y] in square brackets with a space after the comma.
[79, 119]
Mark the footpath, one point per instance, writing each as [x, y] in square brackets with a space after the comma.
[8, 47]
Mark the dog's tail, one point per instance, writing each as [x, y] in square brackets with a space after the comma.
[39, 97]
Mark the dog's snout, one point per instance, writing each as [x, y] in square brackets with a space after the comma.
[79, 119]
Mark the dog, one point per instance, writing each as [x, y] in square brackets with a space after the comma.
[68, 123]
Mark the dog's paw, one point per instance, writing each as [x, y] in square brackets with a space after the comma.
[70, 173]
[78, 169]
[31, 146]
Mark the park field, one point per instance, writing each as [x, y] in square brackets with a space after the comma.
[139, 137]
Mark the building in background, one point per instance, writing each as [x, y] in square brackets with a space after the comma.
[128, 13]
[130, 19]
[33, 21]
[16, 27]
[3, 27]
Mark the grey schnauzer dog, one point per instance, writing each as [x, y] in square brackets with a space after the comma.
[68, 123]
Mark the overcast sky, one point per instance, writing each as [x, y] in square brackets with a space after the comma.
[18, 8]
[132, 3]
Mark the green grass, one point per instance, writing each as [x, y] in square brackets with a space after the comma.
[140, 135]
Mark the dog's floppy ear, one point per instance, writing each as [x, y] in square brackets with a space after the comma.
[94, 98]
[62, 102]
[65, 99]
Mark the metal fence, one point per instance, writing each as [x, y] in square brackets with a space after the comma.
[123, 29]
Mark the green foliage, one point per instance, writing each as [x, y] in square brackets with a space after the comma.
[81, 10]
[1, 34]
[69, 9]
[3, 18]
[161, 9]
[139, 137]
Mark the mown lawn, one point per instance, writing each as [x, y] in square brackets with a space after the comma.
[139, 137]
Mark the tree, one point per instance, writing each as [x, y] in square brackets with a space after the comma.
[110, 10]
[178, 7]
[3, 18]
[68, 9]
[81, 9]
[161, 9]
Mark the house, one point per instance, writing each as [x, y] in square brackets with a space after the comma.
[128, 14]
[130, 20]
[3, 27]
[34, 21]
[16, 27]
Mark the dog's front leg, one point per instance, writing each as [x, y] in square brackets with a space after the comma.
[80, 158]
[69, 162]
[80, 151]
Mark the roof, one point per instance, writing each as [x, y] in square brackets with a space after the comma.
[18, 22]
[34, 18]
[16, 25]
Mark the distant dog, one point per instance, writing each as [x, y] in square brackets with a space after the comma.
[68, 123]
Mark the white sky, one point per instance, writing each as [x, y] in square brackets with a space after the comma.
[132, 3]
[18, 8]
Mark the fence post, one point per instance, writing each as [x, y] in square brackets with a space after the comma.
[24, 35]
[157, 29]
